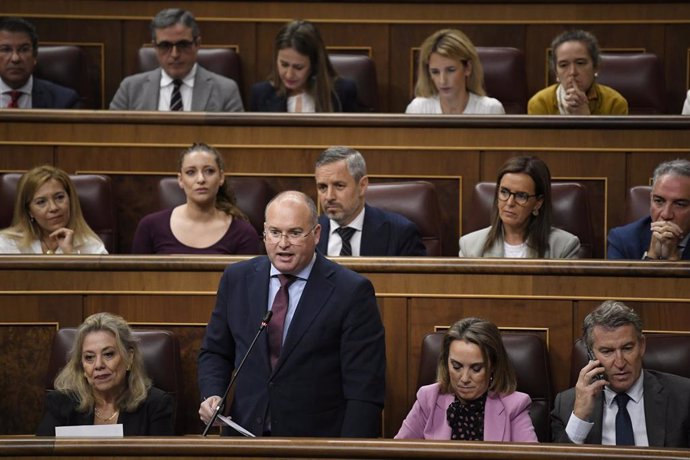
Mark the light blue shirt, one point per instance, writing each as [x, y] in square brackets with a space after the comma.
[294, 291]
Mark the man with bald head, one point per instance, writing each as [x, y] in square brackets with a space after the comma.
[664, 234]
[319, 370]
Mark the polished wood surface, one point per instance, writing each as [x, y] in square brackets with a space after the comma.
[606, 154]
[268, 448]
[416, 296]
[112, 31]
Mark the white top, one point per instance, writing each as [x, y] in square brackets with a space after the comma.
[308, 105]
[483, 105]
[515, 251]
[686, 106]
[8, 245]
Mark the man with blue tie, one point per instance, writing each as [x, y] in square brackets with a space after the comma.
[615, 401]
[320, 369]
[350, 226]
[19, 89]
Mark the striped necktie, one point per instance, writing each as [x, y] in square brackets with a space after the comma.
[176, 99]
[345, 235]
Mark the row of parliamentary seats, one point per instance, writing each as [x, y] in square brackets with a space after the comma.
[638, 77]
[417, 201]
[528, 354]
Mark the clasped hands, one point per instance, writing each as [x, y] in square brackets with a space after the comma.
[576, 101]
[666, 236]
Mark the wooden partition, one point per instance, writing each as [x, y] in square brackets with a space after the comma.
[606, 154]
[270, 448]
[416, 296]
[112, 32]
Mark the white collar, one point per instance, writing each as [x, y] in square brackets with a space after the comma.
[357, 223]
[187, 80]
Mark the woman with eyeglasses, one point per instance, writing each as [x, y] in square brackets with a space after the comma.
[209, 222]
[521, 217]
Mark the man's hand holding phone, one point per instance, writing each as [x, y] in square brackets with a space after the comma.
[590, 382]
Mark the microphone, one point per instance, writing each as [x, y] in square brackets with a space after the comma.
[221, 404]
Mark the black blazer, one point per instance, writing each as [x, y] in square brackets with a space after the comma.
[153, 417]
[48, 95]
[384, 233]
[666, 411]
[329, 379]
[266, 99]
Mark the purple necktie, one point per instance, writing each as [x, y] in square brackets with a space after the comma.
[277, 324]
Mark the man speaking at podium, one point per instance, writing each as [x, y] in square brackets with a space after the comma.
[319, 370]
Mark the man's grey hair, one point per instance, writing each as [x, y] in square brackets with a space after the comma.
[170, 17]
[313, 215]
[611, 314]
[356, 165]
[677, 167]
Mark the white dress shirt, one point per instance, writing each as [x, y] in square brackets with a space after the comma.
[24, 101]
[335, 243]
[186, 89]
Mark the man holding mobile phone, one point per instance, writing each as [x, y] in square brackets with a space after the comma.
[629, 405]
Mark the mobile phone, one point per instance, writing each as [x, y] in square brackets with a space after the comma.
[590, 356]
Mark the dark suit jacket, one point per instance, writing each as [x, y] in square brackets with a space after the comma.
[212, 92]
[666, 410]
[330, 378]
[632, 240]
[153, 417]
[266, 99]
[48, 95]
[383, 234]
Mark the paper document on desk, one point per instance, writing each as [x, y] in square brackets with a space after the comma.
[240, 429]
[89, 431]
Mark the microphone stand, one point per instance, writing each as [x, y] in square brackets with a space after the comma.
[221, 404]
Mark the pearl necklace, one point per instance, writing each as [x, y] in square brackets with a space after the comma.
[98, 414]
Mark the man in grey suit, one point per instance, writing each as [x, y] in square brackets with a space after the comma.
[615, 401]
[180, 83]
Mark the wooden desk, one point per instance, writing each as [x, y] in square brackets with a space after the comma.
[547, 298]
[191, 447]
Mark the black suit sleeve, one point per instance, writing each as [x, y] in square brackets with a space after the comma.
[411, 243]
[558, 423]
[160, 413]
[57, 412]
[363, 364]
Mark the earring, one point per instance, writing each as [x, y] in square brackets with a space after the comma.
[596, 74]
[535, 212]
[32, 219]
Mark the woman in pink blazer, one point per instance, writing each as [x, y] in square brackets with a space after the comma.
[474, 398]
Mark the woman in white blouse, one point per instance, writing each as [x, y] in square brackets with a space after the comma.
[450, 79]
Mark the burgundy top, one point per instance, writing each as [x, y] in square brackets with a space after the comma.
[154, 236]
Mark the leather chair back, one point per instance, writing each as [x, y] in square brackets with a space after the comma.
[637, 203]
[570, 211]
[362, 70]
[529, 356]
[95, 197]
[417, 201]
[253, 194]
[223, 61]
[504, 77]
[160, 350]
[68, 66]
[639, 77]
[664, 352]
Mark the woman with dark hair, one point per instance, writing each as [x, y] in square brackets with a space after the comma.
[104, 382]
[474, 398]
[574, 62]
[521, 217]
[450, 78]
[208, 223]
[47, 217]
[302, 78]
